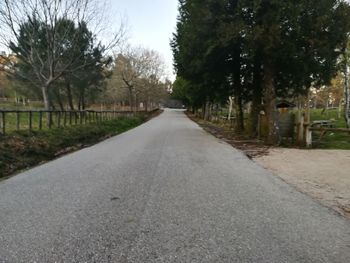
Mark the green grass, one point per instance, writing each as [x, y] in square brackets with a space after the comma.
[331, 140]
[12, 105]
[21, 150]
[24, 121]
[331, 114]
[11, 120]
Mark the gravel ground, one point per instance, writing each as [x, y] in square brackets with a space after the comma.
[164, 192]
[323, 174]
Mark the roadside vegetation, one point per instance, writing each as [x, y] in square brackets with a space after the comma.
[95, 69]
[254, 146]
[23, 149]
[249, 56]
[61, 60]
[330, 140]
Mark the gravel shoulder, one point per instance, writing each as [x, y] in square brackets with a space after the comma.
[322, 174]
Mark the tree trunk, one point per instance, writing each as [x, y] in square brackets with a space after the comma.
[59, 99]
[82, 97]
[69, 96]
[307, 109]
[203, 110]
[300, 121]
[270, 105]
[230, 108]
[136, 106]
[239, 114]
[346, 96]
[237, 89]
[47, 104]
[131, 99]
[207, 106]
[257, 97]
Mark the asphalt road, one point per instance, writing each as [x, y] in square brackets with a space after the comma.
[163, 192]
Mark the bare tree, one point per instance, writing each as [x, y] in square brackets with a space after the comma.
[155, 76]
[27, 19]
[142, 73]
[130, 67]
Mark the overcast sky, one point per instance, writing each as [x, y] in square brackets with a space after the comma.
[151, 24]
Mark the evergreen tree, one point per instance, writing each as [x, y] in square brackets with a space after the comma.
[258, 50]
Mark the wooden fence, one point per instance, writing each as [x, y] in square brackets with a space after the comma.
[16, 120]
[309, 130]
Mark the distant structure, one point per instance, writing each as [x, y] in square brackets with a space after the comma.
[174, 104]
[284, 106]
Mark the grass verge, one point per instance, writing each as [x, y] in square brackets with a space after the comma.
[22, 150]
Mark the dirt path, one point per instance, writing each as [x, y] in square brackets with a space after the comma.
[323, 174]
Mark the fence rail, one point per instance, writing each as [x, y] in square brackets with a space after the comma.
[16, 120]
[310, 130]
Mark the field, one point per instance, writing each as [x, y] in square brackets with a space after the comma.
[331, 140]
[10, 104]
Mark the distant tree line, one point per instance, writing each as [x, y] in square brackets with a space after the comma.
[256, 51]
[57, 58]
[138, 76]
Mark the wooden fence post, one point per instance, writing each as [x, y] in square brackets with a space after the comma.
[17, 120]
[75, 117]
[30, 120]
[58, 119]
[40, 120]
[85, 117]
[300, 130]
[65, 119]
[50, 119]
[3, 118]
[308, 137]
[81, 117]
[70, 118]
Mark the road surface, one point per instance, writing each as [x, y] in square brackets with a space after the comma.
[163, 192]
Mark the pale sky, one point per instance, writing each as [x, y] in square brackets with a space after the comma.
[151, 24]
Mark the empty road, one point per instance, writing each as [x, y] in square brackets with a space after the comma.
[163, 192]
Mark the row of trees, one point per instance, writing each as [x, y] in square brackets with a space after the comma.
[141, 74]
[129, 79]
[57, 57]
[256, 51]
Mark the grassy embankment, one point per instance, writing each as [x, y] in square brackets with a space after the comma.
[21, 150]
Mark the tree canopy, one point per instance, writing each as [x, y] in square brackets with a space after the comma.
[257, 50]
